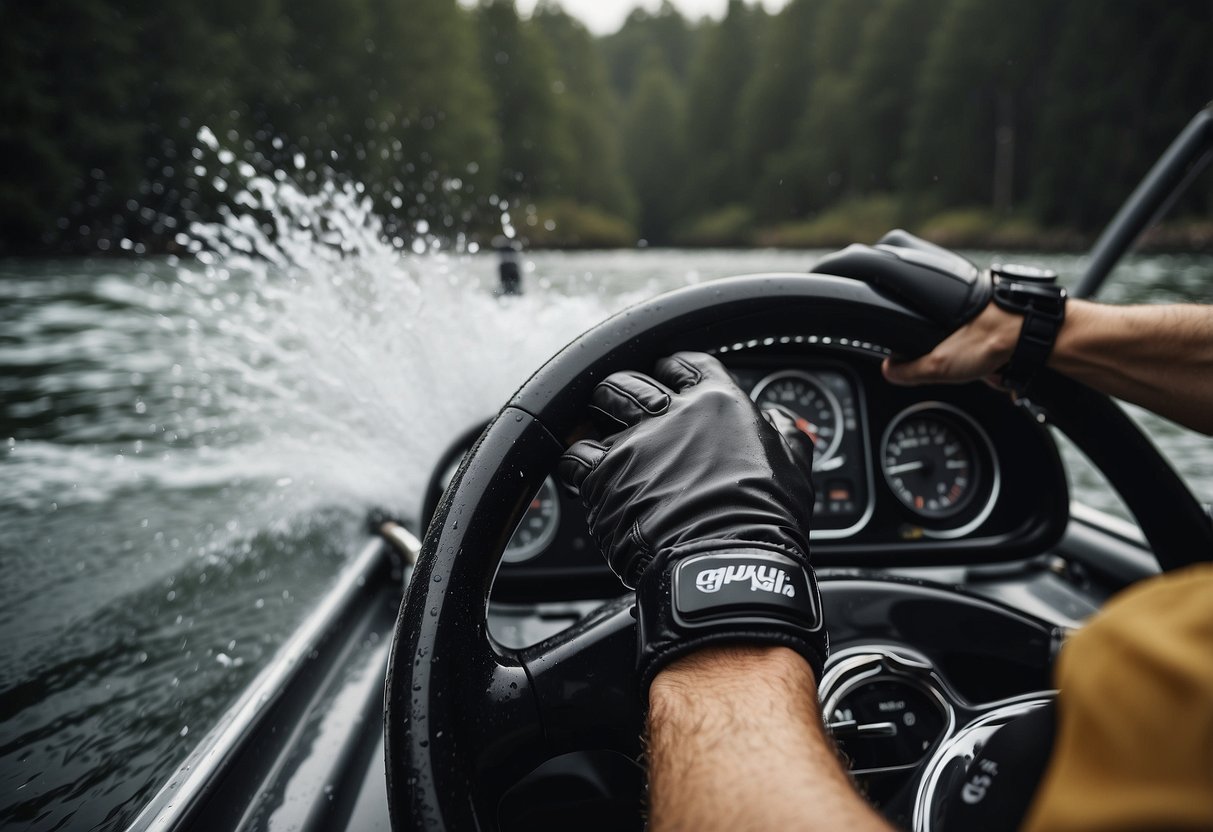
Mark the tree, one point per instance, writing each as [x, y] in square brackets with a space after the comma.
[653, 132]
[68, 137]
[774, 99]
[534, 144]
[892, 48]
[431, 122]
[665, 30]
[820, 162]
[588, 107]
[720, 72]
[1120, 87]
[974, 117]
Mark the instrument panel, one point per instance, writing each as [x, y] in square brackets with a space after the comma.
[903, 476]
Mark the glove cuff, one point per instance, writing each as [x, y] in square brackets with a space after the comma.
[735, 593]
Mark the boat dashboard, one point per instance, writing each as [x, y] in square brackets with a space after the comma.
[937, 511]
[935, 475]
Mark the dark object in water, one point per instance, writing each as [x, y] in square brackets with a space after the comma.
[508, 270]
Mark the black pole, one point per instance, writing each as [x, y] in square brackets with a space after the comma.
[1182, 161]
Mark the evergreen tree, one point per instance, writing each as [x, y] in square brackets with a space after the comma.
[654, 150]
[1120, 88]
[665, 31]
[69, 137]
[720, 72]
[774, 100]
[590, 111]
[892, 48]
[430, 132]
[535, 149]
[974, 116]
[820, 162]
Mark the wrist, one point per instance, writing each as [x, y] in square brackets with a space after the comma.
[1001, 330]
[1073, 347]
[737, 672]
[726, 599]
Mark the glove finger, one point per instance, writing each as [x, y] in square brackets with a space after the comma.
[625, 398]
[578, 462]
[795, 433]
[683, 370]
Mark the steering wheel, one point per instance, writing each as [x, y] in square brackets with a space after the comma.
[466, 717]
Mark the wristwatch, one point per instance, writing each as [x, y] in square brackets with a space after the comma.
[1033, 293]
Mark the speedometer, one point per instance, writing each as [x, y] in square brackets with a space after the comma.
[929, 463]
[817, 408]
[941, 466]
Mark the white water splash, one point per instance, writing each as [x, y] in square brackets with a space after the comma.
[305, 354]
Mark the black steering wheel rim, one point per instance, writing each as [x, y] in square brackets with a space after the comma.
[459, 707]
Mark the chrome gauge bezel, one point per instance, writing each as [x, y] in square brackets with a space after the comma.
[855, 667]
[831, 399]
[982, 444]
[966, 725]
[862, 429]
[964, 746]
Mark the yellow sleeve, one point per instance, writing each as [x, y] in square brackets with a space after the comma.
[1134, 746]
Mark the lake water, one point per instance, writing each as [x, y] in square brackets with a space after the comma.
[188, 450]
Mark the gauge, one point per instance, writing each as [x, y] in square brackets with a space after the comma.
[884, 723]
[817, 408]
[885, 708]
[930, 461]
[538, 525]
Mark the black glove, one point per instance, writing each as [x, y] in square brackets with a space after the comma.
[702, 503]
[936, 283]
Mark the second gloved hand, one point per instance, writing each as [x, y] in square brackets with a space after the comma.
[702, 503]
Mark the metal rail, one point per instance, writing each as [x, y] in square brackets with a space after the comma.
[1170, 176]
[197, 775]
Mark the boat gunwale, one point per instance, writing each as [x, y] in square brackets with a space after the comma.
[186, 788]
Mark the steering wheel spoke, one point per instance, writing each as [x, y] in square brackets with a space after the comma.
[585, 684]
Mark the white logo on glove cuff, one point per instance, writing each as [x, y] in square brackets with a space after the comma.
[761, 578]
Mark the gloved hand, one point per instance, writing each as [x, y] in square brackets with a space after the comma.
[702, 503]
[943, 287]
[936, 283]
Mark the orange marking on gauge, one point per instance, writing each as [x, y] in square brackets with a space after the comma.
[804, 425]
[955, 492]
[918, 502]
[535, 504]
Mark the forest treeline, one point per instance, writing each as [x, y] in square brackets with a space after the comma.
[1017, 122]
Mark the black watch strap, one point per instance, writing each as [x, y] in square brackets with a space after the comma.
[1042, 303]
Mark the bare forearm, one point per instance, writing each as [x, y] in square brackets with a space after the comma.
[1159, 357]
[736, 743]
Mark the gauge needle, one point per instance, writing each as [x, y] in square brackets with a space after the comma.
[905, 467]
[850, 728]
[807, 427]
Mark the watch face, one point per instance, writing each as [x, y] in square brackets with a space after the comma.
[1019, 271]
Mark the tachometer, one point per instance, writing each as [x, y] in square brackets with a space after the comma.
[820, 414]
[930, 460]
[537, 527]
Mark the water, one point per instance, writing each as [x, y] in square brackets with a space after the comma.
[188, 450]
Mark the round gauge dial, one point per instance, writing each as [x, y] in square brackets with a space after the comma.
[538, 525]
[886, 722]
[930, 462]
[817, 409]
